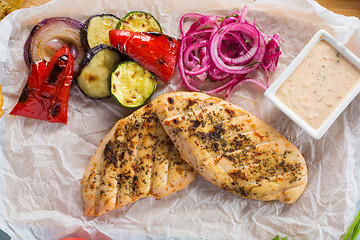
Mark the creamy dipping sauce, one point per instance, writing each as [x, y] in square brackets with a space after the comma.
[319, 84]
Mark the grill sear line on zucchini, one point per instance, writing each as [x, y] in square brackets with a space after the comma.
[96, 29]
[138, 21]
[131, 84]
[95, 70]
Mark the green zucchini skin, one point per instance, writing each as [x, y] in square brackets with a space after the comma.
[95, 70]
[131, 85]
[96, 29]
[139, 21]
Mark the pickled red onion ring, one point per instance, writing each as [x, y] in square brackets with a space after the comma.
[224, 50]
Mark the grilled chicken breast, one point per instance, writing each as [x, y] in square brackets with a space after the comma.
[136, 159]
[232, 148]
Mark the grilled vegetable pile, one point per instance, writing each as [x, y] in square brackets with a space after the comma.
[127, 71]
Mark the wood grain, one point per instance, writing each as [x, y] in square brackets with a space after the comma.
[345, 7]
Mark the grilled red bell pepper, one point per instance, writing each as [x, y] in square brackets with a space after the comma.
[46, 94]
[158, 53]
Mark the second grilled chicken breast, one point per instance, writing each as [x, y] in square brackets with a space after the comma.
[136, 159]
[232, 148]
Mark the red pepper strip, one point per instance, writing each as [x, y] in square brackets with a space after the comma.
[158, 53]
[46, 94]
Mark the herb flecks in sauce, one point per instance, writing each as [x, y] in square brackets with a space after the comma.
[319, 84]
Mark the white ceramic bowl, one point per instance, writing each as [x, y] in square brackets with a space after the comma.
[270, 92]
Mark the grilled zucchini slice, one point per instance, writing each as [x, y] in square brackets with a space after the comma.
[96, 29]
[131, 84]
[95, 70]
[138, 21]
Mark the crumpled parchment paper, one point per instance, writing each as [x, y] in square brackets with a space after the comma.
[41, 164]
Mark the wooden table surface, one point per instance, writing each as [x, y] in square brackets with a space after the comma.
[345, 7]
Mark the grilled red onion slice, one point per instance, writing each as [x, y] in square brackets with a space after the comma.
[224, 50]
[48, 36]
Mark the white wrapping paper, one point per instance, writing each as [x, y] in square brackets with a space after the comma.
[41, 164]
